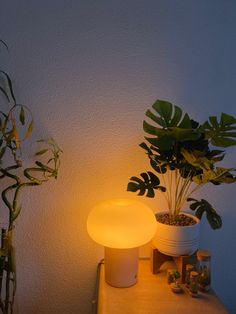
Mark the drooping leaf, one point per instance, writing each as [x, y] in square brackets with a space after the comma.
[29, 130]
[224, 175]
[22, 115]
[4, 44]
[9, 84]
[201, 207]
[197, 159]
[41, 152]
[4, 93]
[15, 133]
[216, 176]
[2, 152]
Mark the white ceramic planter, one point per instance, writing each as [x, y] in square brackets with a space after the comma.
[177, 240]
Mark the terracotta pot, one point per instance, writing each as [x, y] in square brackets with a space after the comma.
[177, 240]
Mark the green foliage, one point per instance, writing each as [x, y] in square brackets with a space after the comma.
[222, 133]
[201, 207]
[16, 126]
[149, 183]
[179, 145]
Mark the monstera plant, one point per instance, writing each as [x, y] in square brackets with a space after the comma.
[16, 125]
[184, 156]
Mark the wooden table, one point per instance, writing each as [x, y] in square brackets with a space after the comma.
[152, 295]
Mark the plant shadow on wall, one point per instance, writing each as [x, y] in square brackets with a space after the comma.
[184, 155]
[16, 125]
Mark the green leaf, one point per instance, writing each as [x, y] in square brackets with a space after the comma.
[145, 147]
[4, 93]
[164, 108]
[202, 206]
[150, 193]
[2, 152]
[197, 159]
[214, 122]
[184, 134]
[9, 83]
[150, 129]
[4, 44]
[156, 119]
[186, 122]
[22, 116]
[227, 119]
[30, 129]
[41, 152]
[153, 178]
[220, 134]
[222, 141]
[164, 143]
[145, 177]
[177, 116]
[132, 187]
[148, 184]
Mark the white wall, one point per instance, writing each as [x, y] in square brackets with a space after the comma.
[88, 70]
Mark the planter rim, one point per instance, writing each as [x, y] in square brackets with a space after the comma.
[173, 226]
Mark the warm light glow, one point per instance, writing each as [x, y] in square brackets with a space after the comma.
[121, 223]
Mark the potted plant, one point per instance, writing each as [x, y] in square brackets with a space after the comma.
[16, 124]
[184, 156]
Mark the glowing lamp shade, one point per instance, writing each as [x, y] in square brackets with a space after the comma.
[121, 225]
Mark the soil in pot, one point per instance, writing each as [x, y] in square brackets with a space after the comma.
[181, 220]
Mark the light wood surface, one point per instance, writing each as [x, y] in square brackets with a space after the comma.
[152, 295]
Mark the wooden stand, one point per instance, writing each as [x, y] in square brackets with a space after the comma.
[158, 258]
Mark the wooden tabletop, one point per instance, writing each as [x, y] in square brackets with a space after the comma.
[152, 295]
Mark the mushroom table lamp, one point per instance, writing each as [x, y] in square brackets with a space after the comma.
[121, 226]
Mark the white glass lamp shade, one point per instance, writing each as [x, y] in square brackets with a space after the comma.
[121, 224]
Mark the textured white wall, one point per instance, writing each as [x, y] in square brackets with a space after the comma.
[89, 70]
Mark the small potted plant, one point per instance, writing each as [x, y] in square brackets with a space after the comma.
[175, 286]
[16, 124]
[183, 155]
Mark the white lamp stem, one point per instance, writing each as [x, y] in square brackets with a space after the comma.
[121, 266]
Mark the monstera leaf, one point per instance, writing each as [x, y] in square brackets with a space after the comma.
[169, 115]
[197, 159]
[201, 207]
[172, 125]
[149, 183]
[222, 133]
[217, 176]
[157, 160]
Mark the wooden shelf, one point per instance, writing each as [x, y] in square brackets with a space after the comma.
[152, 295]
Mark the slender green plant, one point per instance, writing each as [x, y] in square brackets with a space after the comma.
[184, 156]
[16, 125]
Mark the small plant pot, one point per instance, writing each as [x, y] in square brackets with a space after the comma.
[177, 240]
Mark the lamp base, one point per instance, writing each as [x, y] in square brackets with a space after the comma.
[121, 267]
